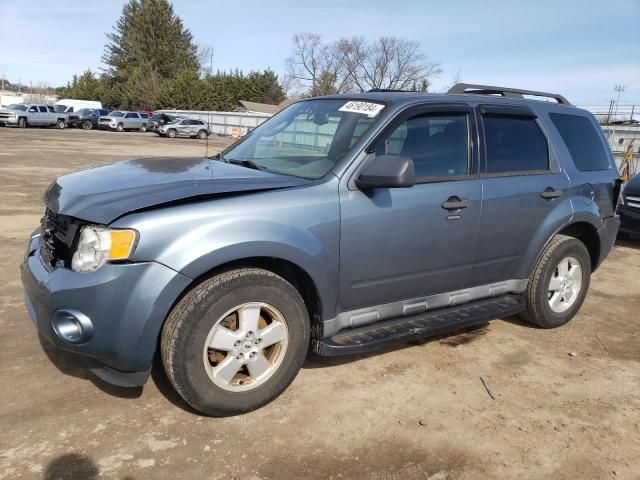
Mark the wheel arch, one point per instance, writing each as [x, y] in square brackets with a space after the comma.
[293, 273]
[583, 227]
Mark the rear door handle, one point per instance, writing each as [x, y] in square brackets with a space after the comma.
[551, 192]
[456, 203]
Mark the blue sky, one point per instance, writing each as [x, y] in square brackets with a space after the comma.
[578, 48]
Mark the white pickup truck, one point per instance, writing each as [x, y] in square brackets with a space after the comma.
[29, 115]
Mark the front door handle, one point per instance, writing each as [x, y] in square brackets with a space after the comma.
[456, 203]
[551, 192]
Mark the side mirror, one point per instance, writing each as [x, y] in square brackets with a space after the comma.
[387, 171]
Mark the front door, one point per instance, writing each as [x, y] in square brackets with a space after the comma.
[403, 243]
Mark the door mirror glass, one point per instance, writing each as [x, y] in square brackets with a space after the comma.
[387, 171]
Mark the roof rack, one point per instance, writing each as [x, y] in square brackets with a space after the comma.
[471, 89]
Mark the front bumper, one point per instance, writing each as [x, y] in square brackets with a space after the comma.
[106, 126]
[126, 303]
[9, 121]
[629, 220]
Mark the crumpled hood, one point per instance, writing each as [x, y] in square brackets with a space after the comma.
[102, 194]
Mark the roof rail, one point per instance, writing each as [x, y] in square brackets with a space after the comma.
[471, 89]
[376, 90]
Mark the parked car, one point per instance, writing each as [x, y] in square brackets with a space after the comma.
[629, 207]
[187, 127]
[88, 117]
[122, 120]
[28, 115]
[72, 117]
[159, 119]
[343, 224]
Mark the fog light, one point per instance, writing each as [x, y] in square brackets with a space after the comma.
[72, 326]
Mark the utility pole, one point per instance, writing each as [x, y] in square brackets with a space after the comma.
[619, 89]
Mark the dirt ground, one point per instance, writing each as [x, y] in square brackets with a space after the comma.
[566, 405]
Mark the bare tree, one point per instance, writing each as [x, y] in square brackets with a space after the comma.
[353, 64]
[204, 55]
[313, 65]
[388, 63]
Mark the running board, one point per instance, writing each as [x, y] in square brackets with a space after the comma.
[382, 334]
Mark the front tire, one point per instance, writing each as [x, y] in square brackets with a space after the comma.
[22, 122]
[559, 283]
[236, 341]
[60, 124]
[87, 125]
[172, 133]
[119, 128]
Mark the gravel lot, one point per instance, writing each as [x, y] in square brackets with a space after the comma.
[566, 405]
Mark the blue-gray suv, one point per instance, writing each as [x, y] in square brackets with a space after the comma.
[342, 224]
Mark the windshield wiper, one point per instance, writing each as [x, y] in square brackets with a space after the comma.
[220, 157]
[247, 163]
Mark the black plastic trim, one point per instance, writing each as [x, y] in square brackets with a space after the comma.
[382, 334]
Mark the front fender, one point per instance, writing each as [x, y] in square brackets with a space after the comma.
[197, 238]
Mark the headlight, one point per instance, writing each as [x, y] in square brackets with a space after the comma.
[98, 245]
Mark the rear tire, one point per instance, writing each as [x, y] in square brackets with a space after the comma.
[143, 128]
[202, 134]
[172, 133]
[559, 283]
[193, 365]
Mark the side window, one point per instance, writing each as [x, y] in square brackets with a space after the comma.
[582, 141]
[437, 144]
[130, 115]
[43, 109]
[32, 109]
[514, 144]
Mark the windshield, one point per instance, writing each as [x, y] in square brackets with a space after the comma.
[17, 106]
[307, 138]
[116, 114]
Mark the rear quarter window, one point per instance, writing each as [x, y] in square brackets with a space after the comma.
[582, 140]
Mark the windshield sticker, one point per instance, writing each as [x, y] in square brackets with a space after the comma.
[366, 108]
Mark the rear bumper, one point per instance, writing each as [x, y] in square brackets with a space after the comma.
[607, 235]
[125, 303]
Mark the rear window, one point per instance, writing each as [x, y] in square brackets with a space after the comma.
[514, 144]
[581, 138]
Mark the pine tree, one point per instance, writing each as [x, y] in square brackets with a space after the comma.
[149, 34]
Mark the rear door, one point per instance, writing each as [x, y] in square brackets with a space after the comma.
[184, 128]
[34, 116]
[405, 243]
[522, 185]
